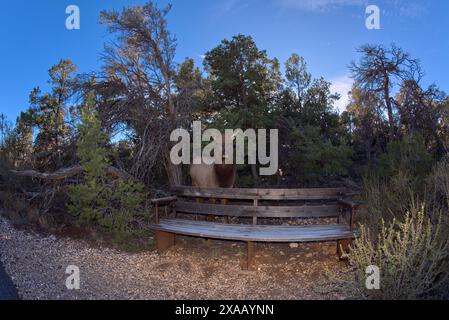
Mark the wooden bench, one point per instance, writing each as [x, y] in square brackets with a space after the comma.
[254, 205]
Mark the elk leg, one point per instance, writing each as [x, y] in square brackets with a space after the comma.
[209, 217]
[225, 202]
[198, 200]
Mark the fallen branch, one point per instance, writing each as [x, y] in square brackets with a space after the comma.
[70, 172]
[57, 175]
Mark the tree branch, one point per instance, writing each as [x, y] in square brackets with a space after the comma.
[70, 172]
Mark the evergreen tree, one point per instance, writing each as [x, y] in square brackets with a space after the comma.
[98, 200]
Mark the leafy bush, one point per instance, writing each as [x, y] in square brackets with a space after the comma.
[412, 256]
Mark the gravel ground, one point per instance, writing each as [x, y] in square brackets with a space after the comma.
[193, 269]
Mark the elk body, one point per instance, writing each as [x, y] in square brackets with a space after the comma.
[213, 175]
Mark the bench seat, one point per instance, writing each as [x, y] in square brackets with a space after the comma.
[256, 233]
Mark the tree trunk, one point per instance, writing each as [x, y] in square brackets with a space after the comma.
[389, 109]
[255, 175]
[174, 172]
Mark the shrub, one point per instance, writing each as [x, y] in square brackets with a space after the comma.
[437, 186]
[412, 256]
[387, 199]
[99, 201]
[393, 196]
[315, 159]
[408, 155]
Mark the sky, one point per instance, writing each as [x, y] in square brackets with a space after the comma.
[33, 36]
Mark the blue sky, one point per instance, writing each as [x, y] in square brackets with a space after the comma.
[326, 32]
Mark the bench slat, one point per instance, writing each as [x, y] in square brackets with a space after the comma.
[255, 233]
[261, 194]
[302, 211]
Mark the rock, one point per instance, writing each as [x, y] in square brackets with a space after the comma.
[293, 245]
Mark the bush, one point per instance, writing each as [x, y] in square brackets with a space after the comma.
[408, 155]
[412, 256]
[387, 199]
[315, 159]
[437, 186]
[398, 182]
[98, 201]
[393, 197]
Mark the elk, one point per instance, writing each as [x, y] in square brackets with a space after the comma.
[214, 175]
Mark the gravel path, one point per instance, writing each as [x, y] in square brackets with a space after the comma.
[37, 266]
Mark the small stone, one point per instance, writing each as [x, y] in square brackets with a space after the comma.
[293, 245]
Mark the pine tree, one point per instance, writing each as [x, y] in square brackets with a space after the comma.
[98, 200]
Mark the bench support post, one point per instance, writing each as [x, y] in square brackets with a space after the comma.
[250, 255]
[164, 240]
[343, 247]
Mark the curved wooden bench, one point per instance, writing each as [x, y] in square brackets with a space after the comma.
[258, 204]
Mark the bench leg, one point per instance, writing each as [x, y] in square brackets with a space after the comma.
[164, 240]
[250, 256]
[343, 247]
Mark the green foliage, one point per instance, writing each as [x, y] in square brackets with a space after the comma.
[98, 201]
[90, 145]
[49, 113]
[408, 155]
[314, 158]
[387, 199]
[243, 82]
[297, 76]
[88, 199]
[437, 186]
[393, 197]
[398, 181]
[124, 204]
[412, 256]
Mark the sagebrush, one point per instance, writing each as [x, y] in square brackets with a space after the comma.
[412, 256]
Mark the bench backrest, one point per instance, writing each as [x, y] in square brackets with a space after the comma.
[261, 194]
[263, 203]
